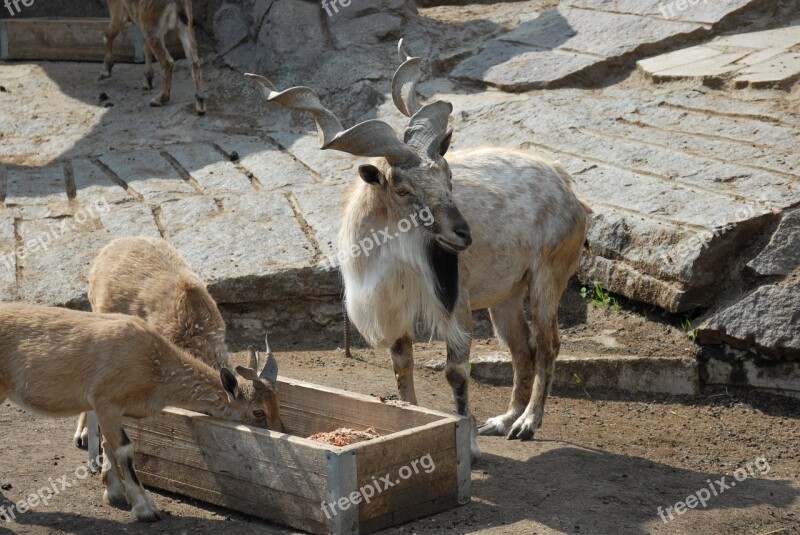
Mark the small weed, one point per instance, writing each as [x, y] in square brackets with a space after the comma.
[600, 298]
[690, 331]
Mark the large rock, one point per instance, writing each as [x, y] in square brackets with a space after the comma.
[568, 43]
[782, 255]
[269, 35]
[766, 321]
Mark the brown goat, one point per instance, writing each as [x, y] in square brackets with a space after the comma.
[147, 277]
[59, 362]
[156, 18]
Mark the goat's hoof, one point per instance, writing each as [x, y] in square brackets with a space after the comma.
[115, 500]
[200, 105]
[81, 439]
[523, 429]
[147, 85]
[159, 101]
[490, 430]
[475, 451]
[146, 510]
[146, 513]
[103, 76]
[497, 426]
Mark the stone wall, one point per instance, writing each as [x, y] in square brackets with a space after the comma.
[264, 35]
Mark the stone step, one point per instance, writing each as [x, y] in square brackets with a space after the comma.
[629, 373]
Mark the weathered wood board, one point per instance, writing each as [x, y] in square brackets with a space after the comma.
[81, 39]
[420, 465]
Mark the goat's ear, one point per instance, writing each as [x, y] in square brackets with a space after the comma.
[247, 373]
[229, 384]
[371, 175]
[445, 144]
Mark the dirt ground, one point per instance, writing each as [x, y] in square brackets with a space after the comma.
[602, 463]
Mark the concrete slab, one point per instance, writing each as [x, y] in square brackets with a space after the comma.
[779, 71]
[743, 368]
[42, 186]
[758, 59]
[93, 185]
[329, 166]
[629, 373]
[572, 40]
[215, 173]
[704, 11]
[58, 254]
[149, 174]
[321, 207]
[272, 167]
[253, 250]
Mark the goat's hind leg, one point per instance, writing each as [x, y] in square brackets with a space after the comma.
[186, 34]
[81, 437]
[512, 330]
[118, 19]
[403, 363]
[149, 75]
[156, 44]
[545, 294]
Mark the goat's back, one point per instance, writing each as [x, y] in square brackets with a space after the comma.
[147, 277]
[51, 359]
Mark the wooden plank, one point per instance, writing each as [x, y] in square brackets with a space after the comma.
[342, 484]
[401, 516]
[237, 463]
[77, 39]
[222, 490]
[415, 490]
[322, 409]
[404, 447]
[281, 461]
[464, 460]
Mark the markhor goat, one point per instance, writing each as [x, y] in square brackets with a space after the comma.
[507, 224]
[59, 362]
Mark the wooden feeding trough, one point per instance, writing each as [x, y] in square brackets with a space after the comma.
[420, 465]
[73, 39]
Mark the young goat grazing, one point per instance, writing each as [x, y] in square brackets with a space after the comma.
[156, 18]
[147, 277]
[59, 362]
[522, 231]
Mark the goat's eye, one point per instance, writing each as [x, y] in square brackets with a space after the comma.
[258, 414]
[403, 193]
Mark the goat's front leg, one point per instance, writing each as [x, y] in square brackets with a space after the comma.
[155, 43]
[403, 363]
[119, 475]
[459, 338]
[114, 27]
[149, 75]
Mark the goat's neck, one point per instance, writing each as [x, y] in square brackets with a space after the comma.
[191, 384]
